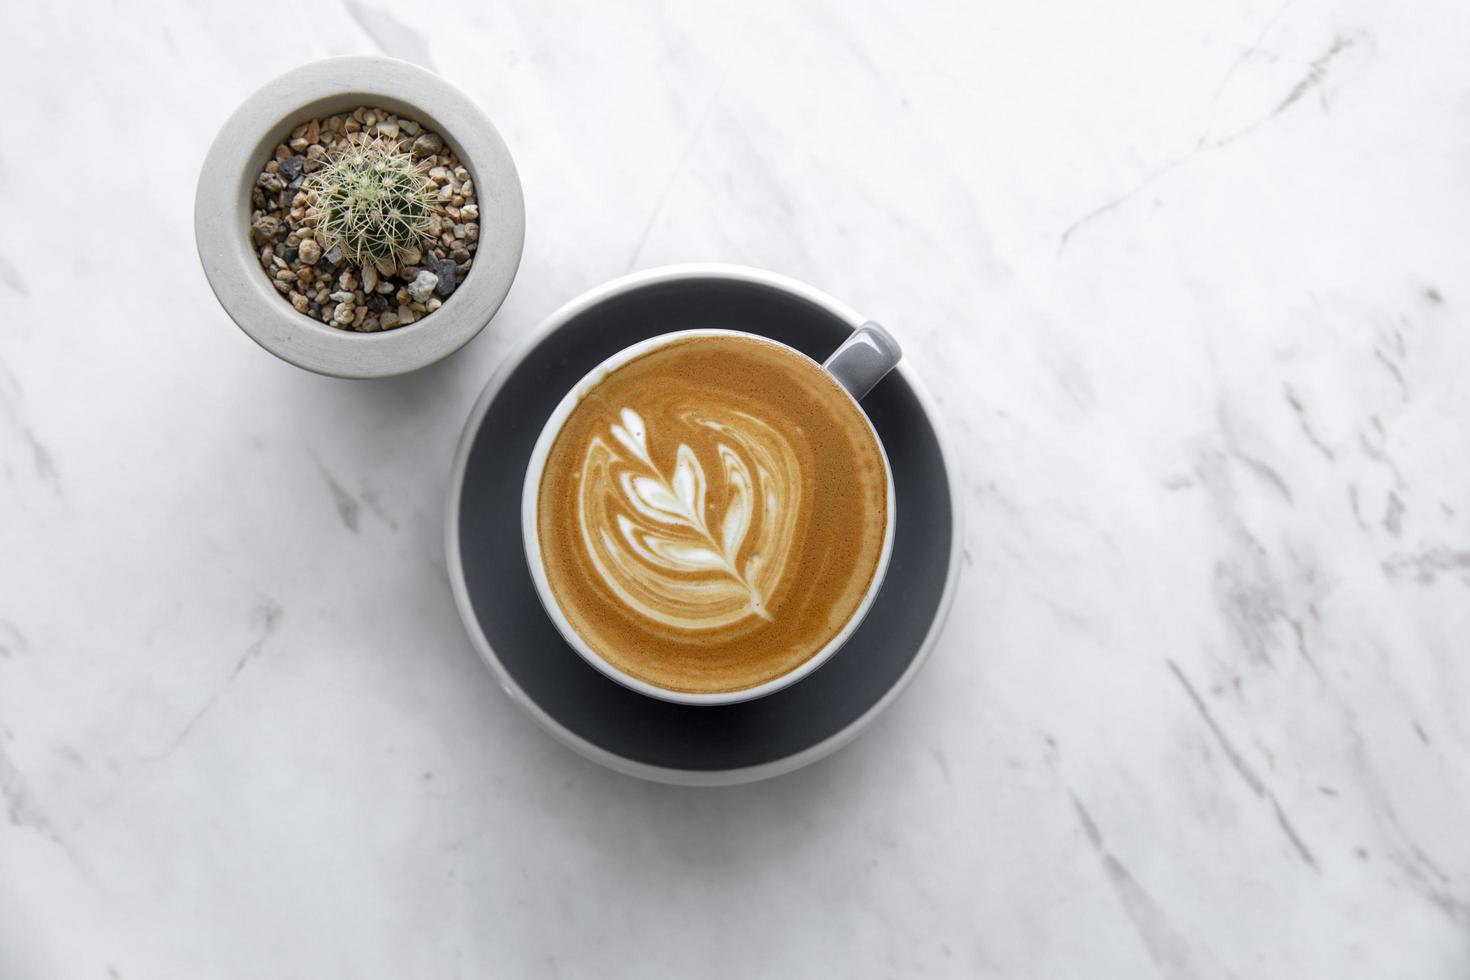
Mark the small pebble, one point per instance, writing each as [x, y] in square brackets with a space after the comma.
[265, 227]
[423, 285]
[443, 270]
[369, 278]
[427, 145]
[310, 251]
[344, 313]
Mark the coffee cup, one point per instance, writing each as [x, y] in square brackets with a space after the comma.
[708, 514]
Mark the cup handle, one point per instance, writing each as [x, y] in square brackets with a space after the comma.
[864, 358]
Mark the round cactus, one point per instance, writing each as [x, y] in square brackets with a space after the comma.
[374, 203]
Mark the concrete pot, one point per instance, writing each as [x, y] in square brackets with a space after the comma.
[245, 143]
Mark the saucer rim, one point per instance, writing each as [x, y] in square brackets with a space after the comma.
[582, 746]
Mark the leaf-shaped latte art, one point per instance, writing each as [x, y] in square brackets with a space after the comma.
[655, 537]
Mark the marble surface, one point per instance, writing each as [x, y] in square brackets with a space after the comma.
[1189, 281]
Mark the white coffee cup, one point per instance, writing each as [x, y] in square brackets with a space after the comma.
[859, 364]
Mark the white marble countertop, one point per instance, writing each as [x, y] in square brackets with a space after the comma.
[1190, 283]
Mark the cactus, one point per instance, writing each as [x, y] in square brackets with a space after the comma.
[373, 202]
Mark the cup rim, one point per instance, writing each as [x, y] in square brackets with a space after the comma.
[530, 533]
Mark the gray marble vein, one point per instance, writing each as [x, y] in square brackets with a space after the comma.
[1173, 954]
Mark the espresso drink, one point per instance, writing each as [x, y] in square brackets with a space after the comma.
[712, 513]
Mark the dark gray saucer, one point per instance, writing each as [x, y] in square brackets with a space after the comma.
[596, 716]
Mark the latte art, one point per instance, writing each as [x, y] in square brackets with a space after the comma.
[655, 539]
[712, 513]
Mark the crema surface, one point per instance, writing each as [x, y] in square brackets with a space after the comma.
[712, 513]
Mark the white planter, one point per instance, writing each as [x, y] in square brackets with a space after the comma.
[245, 143]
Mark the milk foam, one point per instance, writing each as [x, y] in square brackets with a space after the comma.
[654, 537]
